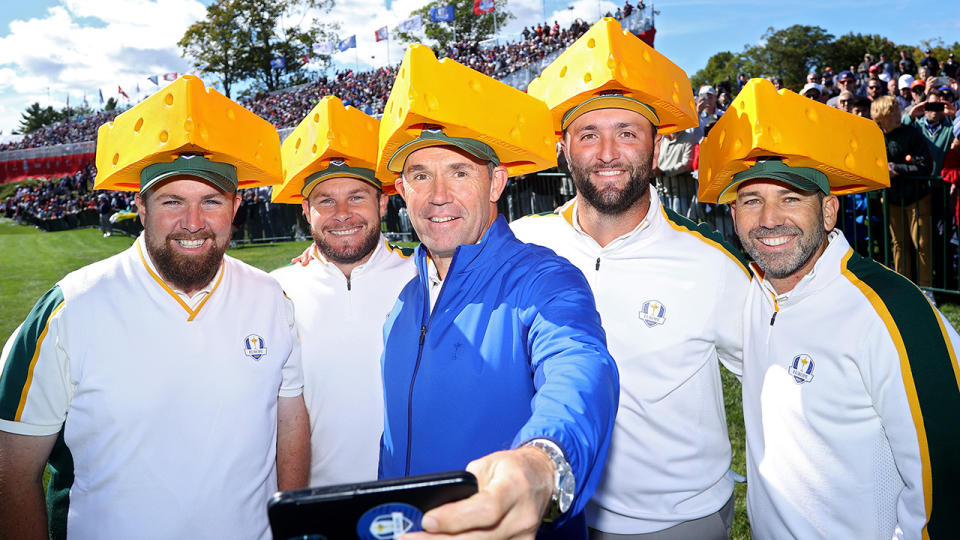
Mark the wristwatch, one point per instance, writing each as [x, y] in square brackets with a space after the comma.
[564, 483]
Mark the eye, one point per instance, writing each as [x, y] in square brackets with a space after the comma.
[171, 203]
[791, 200]
[749, 202]
[588, 136]
[628, 134]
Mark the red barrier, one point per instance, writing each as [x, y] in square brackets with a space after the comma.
[44, 167]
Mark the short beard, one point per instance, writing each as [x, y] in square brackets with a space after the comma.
[613, 201]
[350, 254]
[184, 272]
[779, 269]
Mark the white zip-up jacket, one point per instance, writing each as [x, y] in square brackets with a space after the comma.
[340, 323]
[852, 406]
[669, 295]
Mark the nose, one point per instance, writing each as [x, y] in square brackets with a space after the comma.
[608, 150]
[342, 211]
[770, 216]
[193, 219]
[439, 191]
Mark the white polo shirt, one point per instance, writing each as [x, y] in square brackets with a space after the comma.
[340, 323]
[167, 412]
[669, 294]
[841, 374]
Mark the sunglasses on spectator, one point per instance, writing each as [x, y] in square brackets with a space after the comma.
[873, 87]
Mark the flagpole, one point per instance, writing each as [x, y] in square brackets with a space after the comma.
[388, 47]
[356, 55]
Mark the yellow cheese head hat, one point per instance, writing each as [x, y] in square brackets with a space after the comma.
[611, 68]
[787, 137]
[443, 103]
[333, 141]
[186, 129]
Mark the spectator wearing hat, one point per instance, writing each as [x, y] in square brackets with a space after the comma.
[935, 123]
[707, 108]
[930, 62]
[105, 209]
[950, 67]
[904, 98]
[812, 90]
[846, 80]
[886, 66]
[906, 64]
[864, 67]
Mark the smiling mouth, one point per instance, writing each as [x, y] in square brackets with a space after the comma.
[191, 244]
[774, 241]
[442, 219]
[609, 173]
[345, 232]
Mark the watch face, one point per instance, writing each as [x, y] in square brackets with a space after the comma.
[565, 494]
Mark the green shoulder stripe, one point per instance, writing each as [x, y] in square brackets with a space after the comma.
[404, 252]
[707, 234]
[930, 381]
[18, 365]
[60, 466]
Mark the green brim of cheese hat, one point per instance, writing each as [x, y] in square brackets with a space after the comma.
[611, 100]
[222, 175]
[773, 168]
[339, 169]
[434, 136]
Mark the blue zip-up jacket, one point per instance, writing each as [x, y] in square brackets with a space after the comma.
[512, 351]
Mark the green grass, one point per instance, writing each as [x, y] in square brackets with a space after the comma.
[32, 261]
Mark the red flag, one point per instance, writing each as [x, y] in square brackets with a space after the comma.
[305, 60]
[121, 92]
[170, 76]
[483, 6]
[381, 34]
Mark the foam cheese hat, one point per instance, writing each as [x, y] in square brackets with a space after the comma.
[443, 103]
[185, 128]
[799, 133]
[611, 68]
[333, 141]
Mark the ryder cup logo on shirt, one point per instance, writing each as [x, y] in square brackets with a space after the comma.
[653, 313]
[801, 368]
[254, 347]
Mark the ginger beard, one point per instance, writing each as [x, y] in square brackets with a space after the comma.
[186, 272]
[612, 200]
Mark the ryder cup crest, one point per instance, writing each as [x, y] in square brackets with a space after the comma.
[653, 313]
[254, 347]
[801, 368]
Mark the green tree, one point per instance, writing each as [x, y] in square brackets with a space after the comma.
[723, 66]
[238, 39]
[35, 117]
[848, 50]
[790, 53]
[110, 105]
[468, 26]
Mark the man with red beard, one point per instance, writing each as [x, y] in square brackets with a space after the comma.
[349, 282]
[666, 290]
[161, 386]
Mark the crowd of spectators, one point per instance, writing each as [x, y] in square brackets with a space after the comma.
[70, 130]
[59, 197]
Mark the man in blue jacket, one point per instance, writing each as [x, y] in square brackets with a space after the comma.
[494, 356]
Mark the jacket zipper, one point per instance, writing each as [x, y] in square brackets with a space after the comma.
[773, 318]
[598, 264]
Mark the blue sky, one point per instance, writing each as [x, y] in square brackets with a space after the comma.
[50, 49]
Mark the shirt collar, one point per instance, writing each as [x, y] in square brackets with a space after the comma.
[837, 246]
[572, 215]
[198, 296]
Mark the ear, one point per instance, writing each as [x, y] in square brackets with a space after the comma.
[384, 199]
[400, 187]
[305, 206]
[498, 183]
[141, 208]
[563, 148]
[831, 206]
[237, 200]
[656, 152]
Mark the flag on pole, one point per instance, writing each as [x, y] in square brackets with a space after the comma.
[85, 104]
[442, 13]
[170, 76]
[349, 43]
[278, 63]
[154, 79]
[381, 34]
[121, 92]
[326, 48]
[413, 24]
[483, 6]
[100, 90]
[304, 59]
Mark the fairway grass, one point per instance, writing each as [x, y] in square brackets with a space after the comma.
[32, 261]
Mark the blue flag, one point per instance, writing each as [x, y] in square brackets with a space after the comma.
[101, 96]
[154, 79]
[278, 63]
[349, 43]
[413, 24]
[442, 14]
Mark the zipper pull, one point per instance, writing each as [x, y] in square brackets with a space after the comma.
[423, 332]
[774, 318]
[348, 283]
[598, 263]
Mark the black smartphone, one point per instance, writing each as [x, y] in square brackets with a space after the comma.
[933, 106]
[379, 510]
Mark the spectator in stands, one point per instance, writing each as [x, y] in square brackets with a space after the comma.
[811, 90]
[844, 101]
[904, 97]
[673, 172]
[627, 9]
[930, 62]
[741, 80]
[864, 67]
[875, 89]
[906, 64]
[846, 80]
[813, 78]
[950, 67]
[724, 100]
[886, 66]
[860, 106]
[908, 157]
[707, 108]
[936, 124]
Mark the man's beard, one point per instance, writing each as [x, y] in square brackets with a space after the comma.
[349, 254]
[612, 200]
[788, 263]
[184, 272]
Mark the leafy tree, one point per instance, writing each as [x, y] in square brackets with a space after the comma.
[468, 26]
[35, 117]
[723, 66]
[239, 38]
[848, 50]
[111, 104]
[790, 53]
